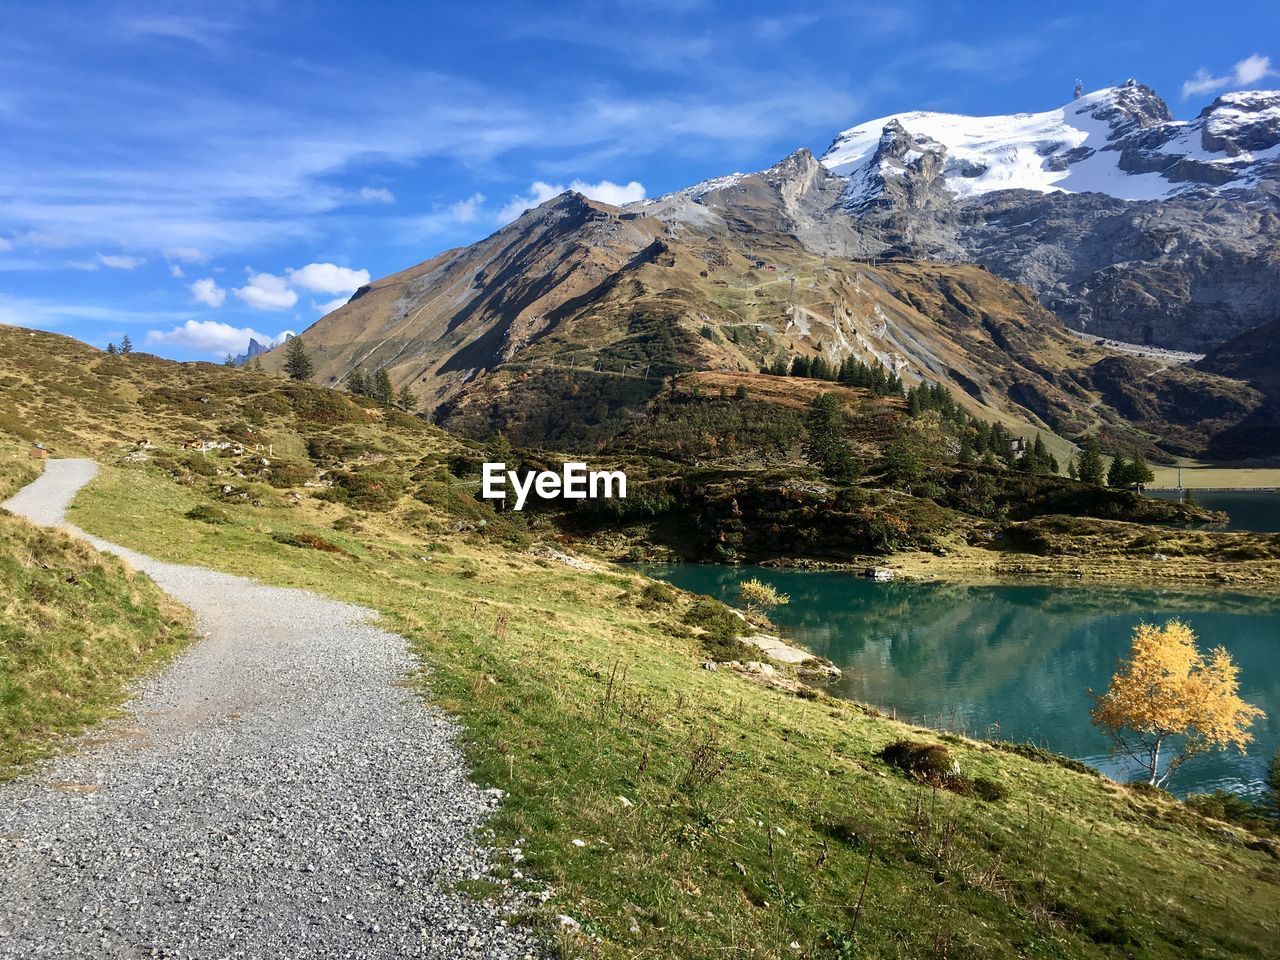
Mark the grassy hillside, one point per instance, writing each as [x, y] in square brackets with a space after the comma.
[674, 810]
[75, 626]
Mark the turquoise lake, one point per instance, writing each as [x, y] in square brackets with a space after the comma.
[1012, 662]
[1257, 510]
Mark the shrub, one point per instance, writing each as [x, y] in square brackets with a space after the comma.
[206, 513]
[720, 626]
[990, 790]
[372, 488]
[332, 451]
[1232, 808]
[655, 594]
[283, 473]
[926, 762]
[308, 541]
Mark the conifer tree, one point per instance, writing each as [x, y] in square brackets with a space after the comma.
[126, 345]
[356, 383]
[381, 389]
[405, 399]
[297, 362]
[1118, 473]
[1139, 474]
[111, 349]
[825, 445]
[1089, 465]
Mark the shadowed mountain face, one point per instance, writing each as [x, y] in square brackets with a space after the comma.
[1252, 357]
[737, 273]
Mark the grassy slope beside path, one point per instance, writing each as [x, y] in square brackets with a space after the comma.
[717, 818]
[75, 626]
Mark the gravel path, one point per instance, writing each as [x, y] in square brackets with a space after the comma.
[277, 792]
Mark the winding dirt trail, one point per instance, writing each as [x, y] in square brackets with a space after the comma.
[277, 791]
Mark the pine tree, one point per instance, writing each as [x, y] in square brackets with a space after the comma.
[256, 365]
[1138, 474]
[1089, 465]
[825, 445]
[1118, 475]
[356, 383]
[381, 389]
[230, 361]
[111, 349]
[126, 345]
[1189, 498]
[405, 399]
[1040, 451]
[1072, 471]
[904, 466]
[297, 362]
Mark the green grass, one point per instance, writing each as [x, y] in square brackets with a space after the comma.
[720, 818]
[75, 626]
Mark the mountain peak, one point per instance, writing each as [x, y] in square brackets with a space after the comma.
[1120, 140]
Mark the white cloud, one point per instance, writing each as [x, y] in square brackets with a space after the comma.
[606, 191]
[211, 337]
[328, 278]
[464, 211]
[266, 291]
[1245, 73]
[332, 305]
[539, 192]
[187, 255]
[5, 245]
[1252, 69]
[377, 195]
[208, 292]
[120, 261]
[175, 271]
[1203, 82]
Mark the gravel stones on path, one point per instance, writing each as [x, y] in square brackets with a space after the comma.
[277, 792]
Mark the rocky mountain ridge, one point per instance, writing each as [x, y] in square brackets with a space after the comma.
[1128, 224]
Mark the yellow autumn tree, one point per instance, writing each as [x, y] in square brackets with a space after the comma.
[760, 598]
[1166, 688]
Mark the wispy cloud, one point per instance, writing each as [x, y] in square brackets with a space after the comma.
[1245, 73]
[120, 261]
[377, 195]
[218, 173]
[46, 314]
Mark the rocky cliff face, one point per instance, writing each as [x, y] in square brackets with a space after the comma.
[1128, 224]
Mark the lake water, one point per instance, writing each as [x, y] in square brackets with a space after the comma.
[1257, 510]
[1013, 662]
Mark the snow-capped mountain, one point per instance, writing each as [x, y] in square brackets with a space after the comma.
[1120, 141]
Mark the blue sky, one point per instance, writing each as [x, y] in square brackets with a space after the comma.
[193, 174]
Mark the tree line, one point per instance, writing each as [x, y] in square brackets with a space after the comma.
[375, 386]
[874, 378]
